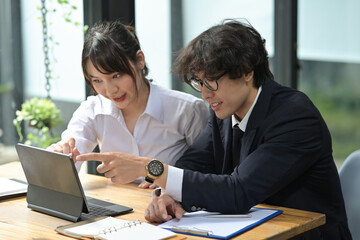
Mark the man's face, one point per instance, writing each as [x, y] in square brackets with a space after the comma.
[234, 96]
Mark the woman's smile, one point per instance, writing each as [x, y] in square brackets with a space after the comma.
[119, 99]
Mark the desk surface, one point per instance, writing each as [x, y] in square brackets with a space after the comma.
[16, 220]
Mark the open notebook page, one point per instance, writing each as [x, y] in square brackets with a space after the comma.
[10, 187]
[113, 228]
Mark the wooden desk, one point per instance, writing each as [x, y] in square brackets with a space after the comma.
[19, 222]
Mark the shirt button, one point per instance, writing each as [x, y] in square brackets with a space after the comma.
[193, 208]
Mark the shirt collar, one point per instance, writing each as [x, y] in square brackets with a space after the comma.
[154, 106]
[243, 123]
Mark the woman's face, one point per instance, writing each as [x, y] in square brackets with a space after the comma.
[119, 88]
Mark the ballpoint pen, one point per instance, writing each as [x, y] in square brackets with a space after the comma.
[196, 231]
[228, 216]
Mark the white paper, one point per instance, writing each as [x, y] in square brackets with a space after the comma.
[221, 226]
[9, 187]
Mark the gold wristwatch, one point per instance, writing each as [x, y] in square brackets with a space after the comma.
[154, 170]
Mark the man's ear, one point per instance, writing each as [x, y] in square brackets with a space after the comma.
[140, 59]
[249, 76]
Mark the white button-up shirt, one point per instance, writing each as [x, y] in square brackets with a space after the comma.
[168, 126]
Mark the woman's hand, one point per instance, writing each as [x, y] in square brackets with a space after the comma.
[65, 147]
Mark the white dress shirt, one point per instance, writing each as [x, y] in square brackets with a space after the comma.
[175, 175]
[168, 126]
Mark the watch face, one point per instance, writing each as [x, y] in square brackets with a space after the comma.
[155, 168]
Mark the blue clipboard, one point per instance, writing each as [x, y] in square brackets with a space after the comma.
[219, 226]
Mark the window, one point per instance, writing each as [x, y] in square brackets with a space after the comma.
[329, 53]
[22, 61]
[192, 17]
[65, 48]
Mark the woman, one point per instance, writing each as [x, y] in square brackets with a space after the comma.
[128, 113]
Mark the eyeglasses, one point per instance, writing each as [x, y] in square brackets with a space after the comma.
[198, 84]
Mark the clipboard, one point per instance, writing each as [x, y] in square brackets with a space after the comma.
[222, 227]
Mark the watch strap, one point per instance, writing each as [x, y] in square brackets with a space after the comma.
[149, 179]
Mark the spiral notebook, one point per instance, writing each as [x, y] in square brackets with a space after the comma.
[110, 228]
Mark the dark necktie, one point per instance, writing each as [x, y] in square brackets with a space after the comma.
[236, 146]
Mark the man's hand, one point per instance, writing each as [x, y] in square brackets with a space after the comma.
[120, 167]
[146, 184]
[65, 147]
[163, 208]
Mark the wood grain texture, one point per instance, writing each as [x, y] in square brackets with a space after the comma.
[19, 222]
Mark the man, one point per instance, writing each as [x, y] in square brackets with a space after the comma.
[284, 157]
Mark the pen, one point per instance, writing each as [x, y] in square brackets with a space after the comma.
[228, 216]
[191, 230]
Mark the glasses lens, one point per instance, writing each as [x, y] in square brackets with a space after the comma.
[212, 85]
[195, 85]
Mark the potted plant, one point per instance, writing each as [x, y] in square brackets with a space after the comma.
[41, 114]
[42, 117]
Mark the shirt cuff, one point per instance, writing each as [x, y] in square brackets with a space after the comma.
[174, 183]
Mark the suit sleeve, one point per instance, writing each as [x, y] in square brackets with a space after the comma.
[288, 143]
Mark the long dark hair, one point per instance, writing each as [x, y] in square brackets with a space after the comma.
[232, 47]
[111, 47]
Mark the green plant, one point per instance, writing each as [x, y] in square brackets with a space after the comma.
[42, 116]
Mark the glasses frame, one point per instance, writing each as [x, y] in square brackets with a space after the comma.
[194, 83]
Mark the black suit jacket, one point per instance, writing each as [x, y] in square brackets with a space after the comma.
[286, 160]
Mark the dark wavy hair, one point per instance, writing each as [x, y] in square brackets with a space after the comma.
[232, 47]
[111, 47]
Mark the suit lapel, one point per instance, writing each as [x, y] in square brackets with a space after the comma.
[246, 143]
[256, 118]
[261, 107]
[255, 121]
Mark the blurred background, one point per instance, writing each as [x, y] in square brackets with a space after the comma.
[314, 46]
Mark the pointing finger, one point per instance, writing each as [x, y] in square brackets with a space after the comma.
[103, 157]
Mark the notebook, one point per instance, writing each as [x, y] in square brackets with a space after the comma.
[54, 187]
[12, 188]
[110, 228]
